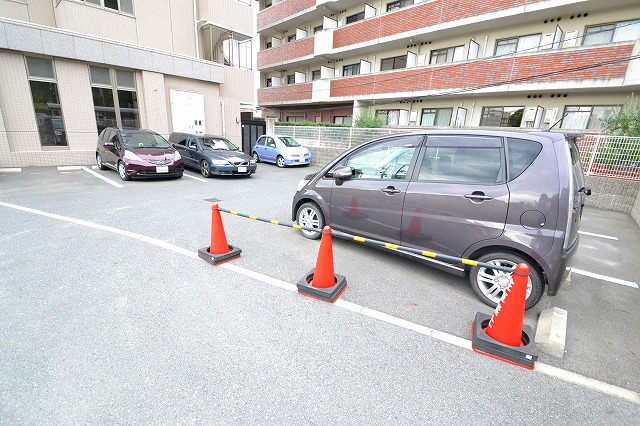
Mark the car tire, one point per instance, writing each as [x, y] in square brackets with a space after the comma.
[205, 168]
[280, 161]
[101, 165]
[309, 215]
[256, 157]
[489, 284]
[122, 171]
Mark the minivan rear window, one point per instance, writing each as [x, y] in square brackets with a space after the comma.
[521, 153]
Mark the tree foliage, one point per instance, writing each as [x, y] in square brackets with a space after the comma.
[627, 121]
[368, 120]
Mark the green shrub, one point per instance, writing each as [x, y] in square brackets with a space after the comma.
[368, 120]
[627, 121]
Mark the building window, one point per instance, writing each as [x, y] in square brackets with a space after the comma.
[440, 117]
[528, 43]
[450, 54]
[125, 6]
[291, 38]
[295, 118]
[115, 98]
[587, 117]
[390, 116]
[395, 5]
[501, 116]
[291, 79]
[620, 31]
[46, 102]
[269, 82]
[393, 63]
[315, 75]
[317, 29]
[355, 18]
[348, 70]
[267, 44]
[342, 120]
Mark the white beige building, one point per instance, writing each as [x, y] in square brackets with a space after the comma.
[72, 67]
[493, 63]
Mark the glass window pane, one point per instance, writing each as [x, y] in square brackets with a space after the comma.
[125, 79]
[629, 30]
[504, 47]
[598, 35]
[126, 6]
[529, 43]
[111, 4]
[94, 2]
[100, 75]
[463, 165]
[428, 117]
[40, 68]
[104, 108]
[444, 117]
[128, 103]
[48, 113]
[522, 152]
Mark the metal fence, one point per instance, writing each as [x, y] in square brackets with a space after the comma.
[602, 155]
[610, 156]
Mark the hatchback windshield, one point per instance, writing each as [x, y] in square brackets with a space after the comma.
[144, 140]
[217, 143]
[289, 141]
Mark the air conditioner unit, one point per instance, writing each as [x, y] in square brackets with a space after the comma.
[530, 114]
[570, 39]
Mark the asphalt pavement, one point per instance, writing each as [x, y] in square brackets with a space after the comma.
[109, 317]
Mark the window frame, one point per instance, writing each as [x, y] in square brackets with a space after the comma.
[593, 123]
[101, 4]
[517, 45]
[447, 50]
[437, 112]
[115, 88]
[615, 26]
[394, 64]
[355, 70]
[354, 18]
[484, 116]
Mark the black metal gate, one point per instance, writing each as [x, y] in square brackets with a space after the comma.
[251, 130]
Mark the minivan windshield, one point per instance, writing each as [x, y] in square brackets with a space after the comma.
[289, 141]
[217, 143]
[144, 140]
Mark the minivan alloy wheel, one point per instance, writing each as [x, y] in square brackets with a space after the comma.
[310, 216]
[490, 284]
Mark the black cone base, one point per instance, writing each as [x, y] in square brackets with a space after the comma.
[216, 259]
[523, 356]
[330, 294]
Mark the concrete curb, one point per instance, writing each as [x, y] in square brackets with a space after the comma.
[551, 332]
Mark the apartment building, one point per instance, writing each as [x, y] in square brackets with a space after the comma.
[70, 68]
[463, 63]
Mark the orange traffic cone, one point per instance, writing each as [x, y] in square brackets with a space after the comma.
[504, 336]
[218, 251]
[321, 282]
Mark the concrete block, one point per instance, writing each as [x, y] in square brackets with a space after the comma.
[551, 332]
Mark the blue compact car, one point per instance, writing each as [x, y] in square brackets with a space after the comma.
[281, 150]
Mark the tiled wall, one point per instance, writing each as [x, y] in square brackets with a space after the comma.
[613, 194]
[635, 209]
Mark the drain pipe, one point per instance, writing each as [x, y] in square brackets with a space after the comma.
[224, 131]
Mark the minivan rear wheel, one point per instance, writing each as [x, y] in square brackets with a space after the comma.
[309, 215]
[490, 284]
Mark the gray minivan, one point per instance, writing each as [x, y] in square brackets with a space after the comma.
[497, 197]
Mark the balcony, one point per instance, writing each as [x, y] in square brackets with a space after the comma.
[286, 53]
[283, 12]
[557, 70]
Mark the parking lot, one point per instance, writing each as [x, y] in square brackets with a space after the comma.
[110, 317]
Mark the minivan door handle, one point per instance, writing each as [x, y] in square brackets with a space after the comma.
[389, 190]
[478, 196]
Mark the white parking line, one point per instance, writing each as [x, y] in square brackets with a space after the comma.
[193, 177]
[10, 169]
[604, 277]
[598, 235]
[99, 176]
[564, 375]
[69, 168]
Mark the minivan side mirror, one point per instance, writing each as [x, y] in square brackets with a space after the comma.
[343, 172]
[108, 144]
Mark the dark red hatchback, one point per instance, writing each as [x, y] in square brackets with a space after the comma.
[137, 153]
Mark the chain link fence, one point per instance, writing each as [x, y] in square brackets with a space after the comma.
[602, 155]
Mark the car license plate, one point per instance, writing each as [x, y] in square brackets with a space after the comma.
[162, 169]
[302, 160]
[242, 169]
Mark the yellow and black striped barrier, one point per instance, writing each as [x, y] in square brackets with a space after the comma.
[376, 243]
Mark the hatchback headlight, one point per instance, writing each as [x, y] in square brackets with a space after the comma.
[301, 184]
[252, 161]
[128, 155]
[177, 156]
